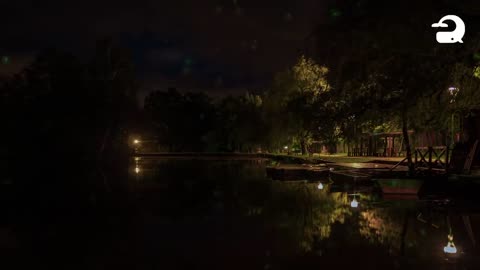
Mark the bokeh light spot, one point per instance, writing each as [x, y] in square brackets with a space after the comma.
[5, 60]
[335, 13]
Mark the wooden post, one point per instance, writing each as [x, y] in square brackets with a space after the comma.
[416, 158]
[393, 146]
[361, 146]
[369, 150]
[430, 152]
[447, 159]
[385, 147]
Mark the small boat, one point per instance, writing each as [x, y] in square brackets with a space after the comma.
[400, 186]
[349, 176]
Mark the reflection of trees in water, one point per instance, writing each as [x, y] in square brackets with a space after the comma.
[302, 212]
[381, 226]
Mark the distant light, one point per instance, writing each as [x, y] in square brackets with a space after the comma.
[450, 247]
[453, 93]
[136, 141]
[335, 13]
[137, 170]
[332, 169]
[320, 186]
[5, 60]
[453, 90]
[354, 203]
[137, 158]
[285, 147]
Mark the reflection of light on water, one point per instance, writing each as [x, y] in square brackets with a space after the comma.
[137, 170]
[320, 186]
[332, 169]
[137, 158]
[354, 203]
[450, 247]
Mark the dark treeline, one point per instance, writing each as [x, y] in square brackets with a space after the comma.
[65, 122]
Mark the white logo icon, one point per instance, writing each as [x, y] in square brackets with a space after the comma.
[453, 36]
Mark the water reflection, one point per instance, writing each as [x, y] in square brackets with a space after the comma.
[289, 218]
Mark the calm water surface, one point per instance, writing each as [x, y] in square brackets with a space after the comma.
[228, 215]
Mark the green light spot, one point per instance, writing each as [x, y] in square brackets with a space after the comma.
[335, 12]
[5, 60]
[188, 61]
[476, 56]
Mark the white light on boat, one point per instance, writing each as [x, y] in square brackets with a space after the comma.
[320, 186]
[354, 203]
[450, 247]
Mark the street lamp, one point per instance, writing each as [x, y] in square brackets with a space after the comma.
[136, 141]
[453, 94]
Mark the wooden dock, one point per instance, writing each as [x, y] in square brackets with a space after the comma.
[297, 172]
[349, 177]
[338, 172]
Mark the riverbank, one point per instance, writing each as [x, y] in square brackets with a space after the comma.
[283, 158]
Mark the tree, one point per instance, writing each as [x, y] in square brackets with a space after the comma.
[240, 124]
[293, 98]
[182, 120]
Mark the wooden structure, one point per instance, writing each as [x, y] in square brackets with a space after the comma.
[297, 172]
[349, 176]
[384, 144]
[432, 158]
[400, 186]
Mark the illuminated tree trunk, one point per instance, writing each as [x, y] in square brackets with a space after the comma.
[303, 145]
[406, 139]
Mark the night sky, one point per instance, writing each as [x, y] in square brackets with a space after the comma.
[217, 46]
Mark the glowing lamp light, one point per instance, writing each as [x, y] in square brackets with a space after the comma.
[453, 93]
[285, 147]
[453, 90]
[354, 203]
[320, 186]
[137, 170]
[450, 247]
[332, 169]
[136, 141]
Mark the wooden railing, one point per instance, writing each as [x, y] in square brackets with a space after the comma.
[432, 158]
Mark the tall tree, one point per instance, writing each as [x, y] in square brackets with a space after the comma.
[293, 98]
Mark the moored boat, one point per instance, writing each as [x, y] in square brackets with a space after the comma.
[349, 176]
[400, 186]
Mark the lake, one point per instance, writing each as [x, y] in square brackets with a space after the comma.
[205, 214]
[212, 214]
